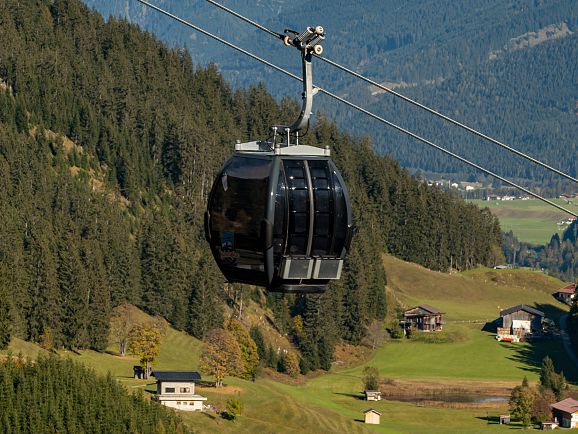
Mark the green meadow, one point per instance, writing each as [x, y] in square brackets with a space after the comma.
[531, 220]
[330, 402]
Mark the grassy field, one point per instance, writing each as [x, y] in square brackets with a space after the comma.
[532, 220]
[474, 295]
[330, 403]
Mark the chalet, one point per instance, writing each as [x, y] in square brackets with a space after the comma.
[372, 395]
[566, 412]
[176, 389]
[566, 294]
[520, 320]
[372, 416]
[423, 317]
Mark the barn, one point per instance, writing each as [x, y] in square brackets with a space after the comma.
[521, 320]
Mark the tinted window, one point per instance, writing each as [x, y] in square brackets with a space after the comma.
[279, 231]
[298, 207]
[324, 213]
[238, 206]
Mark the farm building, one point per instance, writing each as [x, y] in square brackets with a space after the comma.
[372, 416]
[520, 320]
[176, 389]
[372, 395]
[423, 317]
[566, 412]
[566, 294]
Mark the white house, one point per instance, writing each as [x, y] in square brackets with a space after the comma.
[176, 389]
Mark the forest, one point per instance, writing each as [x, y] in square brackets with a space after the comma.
[57, 395]
[507, 68]
[558, 256]
[109, 142]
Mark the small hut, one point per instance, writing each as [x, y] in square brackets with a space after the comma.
[372, 416]
[505, 419]
[372, 395]
[548, 426]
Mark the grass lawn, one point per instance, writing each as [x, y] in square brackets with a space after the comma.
[474, 295]
[532, 220]
[329, 403]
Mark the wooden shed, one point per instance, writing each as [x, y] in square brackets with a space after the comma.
[521, 320]
[372, 416]
[372, 395]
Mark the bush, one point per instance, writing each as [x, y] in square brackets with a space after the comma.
[234, 407]
[438, 337]
[370, 378]
[394, 330]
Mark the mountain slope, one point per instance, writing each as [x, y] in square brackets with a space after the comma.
[109, 144]
[498, 65]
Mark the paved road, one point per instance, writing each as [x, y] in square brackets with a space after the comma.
[566, 339]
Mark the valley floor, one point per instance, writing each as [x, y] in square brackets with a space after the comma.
[431, 386]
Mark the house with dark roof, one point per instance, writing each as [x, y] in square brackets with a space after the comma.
[566, 294]
[566, 412]
[520, 320]
[423, 317]
[176, 389]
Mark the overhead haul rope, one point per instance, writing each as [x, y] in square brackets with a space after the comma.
[352, 105]
[404, 98]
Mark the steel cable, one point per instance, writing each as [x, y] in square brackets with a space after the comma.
[362, 110]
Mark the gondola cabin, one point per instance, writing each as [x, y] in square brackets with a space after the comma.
[279, 217]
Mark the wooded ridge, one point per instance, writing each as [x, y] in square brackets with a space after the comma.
[109, 142]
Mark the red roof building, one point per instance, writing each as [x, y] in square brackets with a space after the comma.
[566, 412]
[566, 294]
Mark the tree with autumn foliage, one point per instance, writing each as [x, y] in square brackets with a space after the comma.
[121, 324]
[145, 341]
[248, 349]
[221, 356]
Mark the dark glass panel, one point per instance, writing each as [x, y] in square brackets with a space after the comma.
[280, 224]
[298, 183]
[318, 172]
[238, 206]
[322, 223]
[321, 246]
[299, 221]
[322, 200]
[298, 207]
[321, 183]
[340, 231]
[300, 199]
[298, 245]
[295, 170]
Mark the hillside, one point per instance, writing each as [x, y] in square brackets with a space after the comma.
[505, 67]
[473, 295]
[109, 144]
[472, 364]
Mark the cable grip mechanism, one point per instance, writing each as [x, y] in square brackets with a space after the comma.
[308, 43]
[309, 40]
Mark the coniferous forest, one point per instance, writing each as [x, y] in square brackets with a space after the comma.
[109, 142]
[57, 395]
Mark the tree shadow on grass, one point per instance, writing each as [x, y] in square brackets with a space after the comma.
[495, 420]
[533, 352]
[359, 396]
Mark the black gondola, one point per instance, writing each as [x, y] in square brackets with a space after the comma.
[279, 214]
